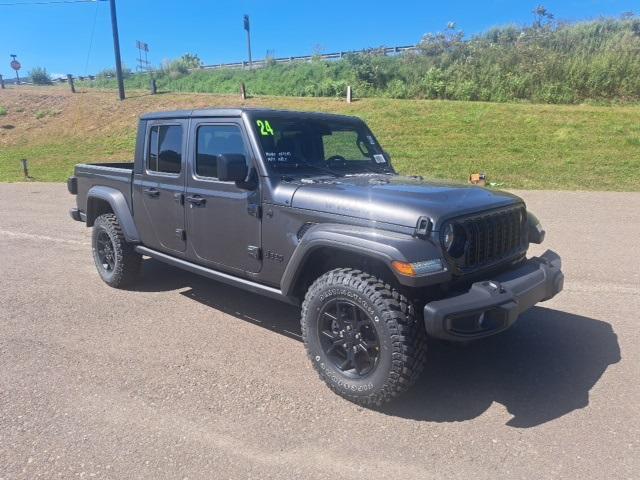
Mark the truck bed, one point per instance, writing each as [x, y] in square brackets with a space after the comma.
[117, 175]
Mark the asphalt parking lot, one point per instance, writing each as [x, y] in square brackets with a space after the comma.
[186, 378]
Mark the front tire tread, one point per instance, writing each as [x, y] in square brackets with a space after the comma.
[407, 333]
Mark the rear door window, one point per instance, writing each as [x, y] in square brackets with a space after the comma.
[165, 149]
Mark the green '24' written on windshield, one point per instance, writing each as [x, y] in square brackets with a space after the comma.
[265, 128]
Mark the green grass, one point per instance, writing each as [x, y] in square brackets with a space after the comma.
[518, 145]
[54, 161]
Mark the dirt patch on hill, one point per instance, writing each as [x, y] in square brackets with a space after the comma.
[40, 114]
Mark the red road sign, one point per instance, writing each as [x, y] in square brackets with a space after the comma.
[15, 64]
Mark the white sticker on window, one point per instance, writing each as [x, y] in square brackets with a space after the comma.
[379, 158]
[284, 157]
[371, 140]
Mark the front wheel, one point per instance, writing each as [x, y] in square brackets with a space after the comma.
[361, 336]
[117, 262]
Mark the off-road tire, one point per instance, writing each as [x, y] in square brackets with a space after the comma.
[401, 335]
[127, 262]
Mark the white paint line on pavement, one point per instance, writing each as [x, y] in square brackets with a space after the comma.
[603, 288]
[31, 236]
[573, 287]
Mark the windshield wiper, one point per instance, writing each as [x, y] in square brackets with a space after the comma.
[314, 166]
[368, 169]
[322, 169]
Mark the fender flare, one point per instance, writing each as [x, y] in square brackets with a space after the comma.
[120, 207]
[381, 245]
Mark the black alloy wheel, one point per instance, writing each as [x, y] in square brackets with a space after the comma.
[116, 260]
[105, 251]
[348, 337]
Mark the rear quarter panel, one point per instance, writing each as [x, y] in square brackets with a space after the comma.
[114, 175]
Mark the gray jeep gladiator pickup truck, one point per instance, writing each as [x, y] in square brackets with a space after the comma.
[307, 208]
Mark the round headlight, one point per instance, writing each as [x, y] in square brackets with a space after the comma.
[449, 236]
[454, 240]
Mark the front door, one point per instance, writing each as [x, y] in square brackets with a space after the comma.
[223, 221]
[159, 188]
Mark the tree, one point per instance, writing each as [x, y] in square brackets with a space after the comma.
[191, 60]
[540, 14]
[435, 44]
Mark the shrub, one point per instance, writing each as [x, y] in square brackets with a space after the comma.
[39, 76]
[111, 73]
[174, 68]
[397, 89]
[434, 83]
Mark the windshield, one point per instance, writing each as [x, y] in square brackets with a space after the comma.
[298, 144]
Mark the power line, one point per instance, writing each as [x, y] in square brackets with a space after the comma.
[93, 30]
[49, 2]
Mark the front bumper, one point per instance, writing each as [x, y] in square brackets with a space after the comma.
[491, 306]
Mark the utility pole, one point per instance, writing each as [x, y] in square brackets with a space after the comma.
[248, 29]
[116, 48]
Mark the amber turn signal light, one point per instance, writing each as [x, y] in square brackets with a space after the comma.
[404, 268]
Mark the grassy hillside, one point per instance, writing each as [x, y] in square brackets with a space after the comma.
[547, 62]
[517, 145]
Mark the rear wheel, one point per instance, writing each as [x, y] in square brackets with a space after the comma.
[116, 260]
[362, 337]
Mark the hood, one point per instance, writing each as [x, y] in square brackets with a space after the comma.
[396, 200]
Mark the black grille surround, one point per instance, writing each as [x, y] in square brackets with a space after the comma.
[492, 237]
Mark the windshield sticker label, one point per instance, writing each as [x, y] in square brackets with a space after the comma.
[379, 158]
[265, 128]
[371, 140]
[284, 157]
[279, 157]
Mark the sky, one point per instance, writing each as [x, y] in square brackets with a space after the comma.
[76, 37]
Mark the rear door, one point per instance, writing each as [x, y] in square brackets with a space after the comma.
[159, 188]
[223, 221]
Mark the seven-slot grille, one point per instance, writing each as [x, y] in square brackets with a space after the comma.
[492, 237]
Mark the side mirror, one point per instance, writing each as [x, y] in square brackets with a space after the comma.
[232, 168]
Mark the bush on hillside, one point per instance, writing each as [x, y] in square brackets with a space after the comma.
[39, 76]
[111, 73]
[180, 66]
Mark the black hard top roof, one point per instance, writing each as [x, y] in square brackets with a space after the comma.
[237, 112]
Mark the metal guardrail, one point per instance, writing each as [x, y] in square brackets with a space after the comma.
[306, 58]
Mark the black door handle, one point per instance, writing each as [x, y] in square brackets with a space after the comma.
[152, 192]
[196, 200]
